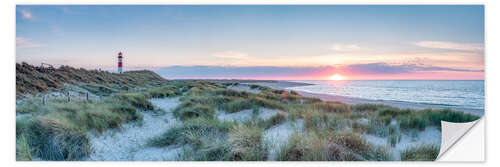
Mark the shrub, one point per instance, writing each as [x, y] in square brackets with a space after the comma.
[412, 122]
[237, 105]
[163, 91]
[56, 138]
[352, 141]
[187, 132]
[254, 86]
[187, 110]
[230, 92]
[21, 124]
[314, 119]
[208, 100]
[436, 116]
[315, 147]
[136, 99]
[262, 102]
[295, 149]
[366, 107]
[213, 150]
[246, 143]
[23, 151]
[207, 138]
[378, 129]
[98, 119]
[276, 119]
[332, 106]
[98, 89]
[394, 139]
[128, 111]
[420, 153]
[170, 137]
[388, 111]
[30, 105]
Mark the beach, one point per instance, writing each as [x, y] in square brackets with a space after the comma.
[289, 85]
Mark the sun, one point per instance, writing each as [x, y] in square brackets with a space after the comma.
[337, 77]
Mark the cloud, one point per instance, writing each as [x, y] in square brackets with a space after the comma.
[25, 43]
[26, 14]
[384, 68]
[234, 72]
[231, 55]
[451, 45]
[344, 47]
[306, 72]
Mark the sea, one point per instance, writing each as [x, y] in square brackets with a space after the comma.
[457, 93]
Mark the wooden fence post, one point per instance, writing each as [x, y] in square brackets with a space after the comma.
[69, 99]
[44, 100]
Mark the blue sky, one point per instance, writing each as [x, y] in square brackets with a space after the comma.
[161, 36]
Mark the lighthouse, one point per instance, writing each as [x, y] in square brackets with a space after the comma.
[120, 64]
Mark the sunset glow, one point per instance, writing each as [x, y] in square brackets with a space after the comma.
[337, 77]
[259, 42]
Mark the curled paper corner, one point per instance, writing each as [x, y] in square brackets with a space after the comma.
[451, 133]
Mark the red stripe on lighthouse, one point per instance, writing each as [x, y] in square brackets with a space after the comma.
[119, 64]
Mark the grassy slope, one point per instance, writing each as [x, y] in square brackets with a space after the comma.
[31, 79]
[57, 131]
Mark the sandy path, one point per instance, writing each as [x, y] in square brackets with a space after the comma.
[130, 143]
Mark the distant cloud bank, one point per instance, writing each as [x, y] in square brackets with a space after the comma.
[259, 72]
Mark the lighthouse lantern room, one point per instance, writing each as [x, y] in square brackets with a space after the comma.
[120, 61]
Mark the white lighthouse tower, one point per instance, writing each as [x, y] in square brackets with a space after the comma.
[120, 64]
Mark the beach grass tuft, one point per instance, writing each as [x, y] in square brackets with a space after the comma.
[246, 143]
[332, 130]
[420, 153]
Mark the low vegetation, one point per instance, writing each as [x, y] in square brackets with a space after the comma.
[36, 79]
[58, 130]
[420, 153]
[332, 131]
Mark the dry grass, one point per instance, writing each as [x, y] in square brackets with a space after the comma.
[420, 153]
[332, 131]
[31, 79]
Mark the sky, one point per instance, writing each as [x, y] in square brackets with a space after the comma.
[286, 42]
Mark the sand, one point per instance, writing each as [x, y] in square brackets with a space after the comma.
[243, 87]
[130, 142]
[264, 113]
[277, 136]
[431, 135]
[288, 85]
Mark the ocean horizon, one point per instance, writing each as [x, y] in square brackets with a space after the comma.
[457, 93]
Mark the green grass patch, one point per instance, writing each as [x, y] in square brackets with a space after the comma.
[60, 132]
[23, 150]
[188, 110]
[420, 153]
[335, 107]
[246, 143]
[163, 92]
[136, 99]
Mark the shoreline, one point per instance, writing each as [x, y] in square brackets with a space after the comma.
[288, 85]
